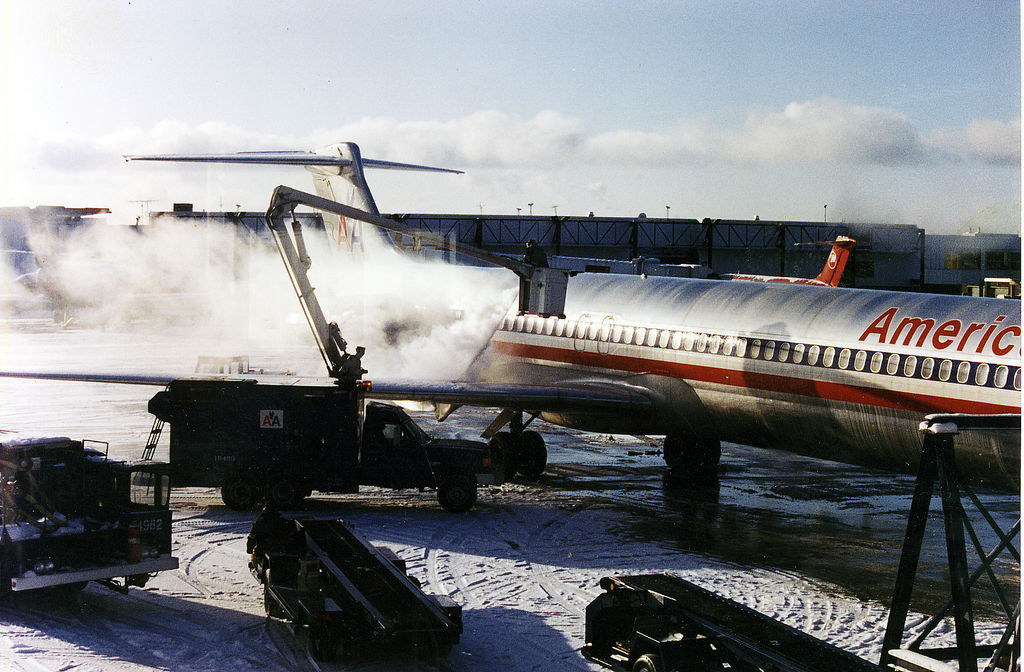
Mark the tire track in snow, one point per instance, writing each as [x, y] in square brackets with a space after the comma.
[500, 585]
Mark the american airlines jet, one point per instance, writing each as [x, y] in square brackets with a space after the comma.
[836, 373]
[829, 276]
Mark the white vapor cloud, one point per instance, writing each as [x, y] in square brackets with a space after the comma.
[210, 287]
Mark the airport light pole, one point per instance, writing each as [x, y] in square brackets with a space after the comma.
[826, 214]
[666, 212]
[531, 208]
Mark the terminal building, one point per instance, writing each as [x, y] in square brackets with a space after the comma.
[887, 256]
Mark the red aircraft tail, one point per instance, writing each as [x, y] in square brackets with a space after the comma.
[837, 258]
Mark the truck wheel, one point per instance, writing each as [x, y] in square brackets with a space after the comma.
[241, 492]
[650, 662]
[285, 491]
[534, 457]
[504, 451]
[457, 492]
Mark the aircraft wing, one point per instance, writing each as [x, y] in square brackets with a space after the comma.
[123, 378]
[592, 398]
[567, 397]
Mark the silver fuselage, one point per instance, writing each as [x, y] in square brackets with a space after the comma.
[837, 373]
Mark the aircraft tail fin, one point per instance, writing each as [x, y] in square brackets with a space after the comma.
[832, 273]
[337, 175]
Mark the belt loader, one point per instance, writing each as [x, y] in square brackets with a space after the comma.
[344, 595]
[661, 623]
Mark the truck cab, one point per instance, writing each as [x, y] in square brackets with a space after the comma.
[397, 453]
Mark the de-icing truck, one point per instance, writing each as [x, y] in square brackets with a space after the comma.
[263, 438]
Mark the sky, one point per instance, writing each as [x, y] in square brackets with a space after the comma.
[904, 113]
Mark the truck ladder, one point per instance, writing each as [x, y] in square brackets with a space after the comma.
[154, 437]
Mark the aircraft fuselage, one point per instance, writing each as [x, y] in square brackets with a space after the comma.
[841, 374]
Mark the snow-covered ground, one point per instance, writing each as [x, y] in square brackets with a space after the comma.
[814, 544]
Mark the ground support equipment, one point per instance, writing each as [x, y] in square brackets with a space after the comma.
[344, 595]
[662, 623]
[938, 464]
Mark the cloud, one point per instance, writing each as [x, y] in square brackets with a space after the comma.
[553, 157]
[483, 138]
[988, 141]
[823, 131]
[827, 130]
[820, 131]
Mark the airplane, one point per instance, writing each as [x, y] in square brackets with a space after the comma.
[836, 373]
[830, 275]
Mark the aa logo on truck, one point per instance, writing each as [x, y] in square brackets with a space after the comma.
[272, 419]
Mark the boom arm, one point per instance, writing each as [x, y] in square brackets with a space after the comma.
[549, 302]
[340, 364]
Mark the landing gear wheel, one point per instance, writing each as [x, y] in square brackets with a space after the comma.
[241, 492]
[457, 492]
[691, 460]
[534, 456]
[503, 449]
[285, 490]
[650, 662]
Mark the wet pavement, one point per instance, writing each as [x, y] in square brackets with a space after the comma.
[839, 524]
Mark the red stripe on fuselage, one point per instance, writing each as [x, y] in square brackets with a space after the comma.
[818, 389]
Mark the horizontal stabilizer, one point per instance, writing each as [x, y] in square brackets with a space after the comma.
[289, 158]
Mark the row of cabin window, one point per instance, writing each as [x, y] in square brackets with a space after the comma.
[797, 353]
